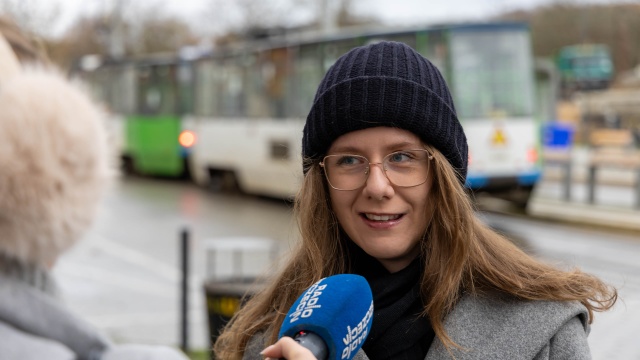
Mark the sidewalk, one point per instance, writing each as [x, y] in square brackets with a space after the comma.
[614, 202]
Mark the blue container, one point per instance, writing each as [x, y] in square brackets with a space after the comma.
[557, 135]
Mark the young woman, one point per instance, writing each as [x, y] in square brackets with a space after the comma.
[383, 197]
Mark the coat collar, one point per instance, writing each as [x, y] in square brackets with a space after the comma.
[36, 312]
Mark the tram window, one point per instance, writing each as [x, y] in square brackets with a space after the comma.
[308, 72]
[278, 81]
[436, 51]
[279, 149]
[144, 78]
[231, 89]
[267, 83]
[104, 87]
[256, 97]
[185, 88]
[128, 93]
[97, 86]
[157, 90]
[153, 99]
[170, 90]
[492, 74]
[205, 83]
[333, 50]
[121, 88]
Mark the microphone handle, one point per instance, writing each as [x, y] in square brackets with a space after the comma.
[314, 343]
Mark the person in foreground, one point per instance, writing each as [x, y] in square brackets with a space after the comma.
[385, 162]
[54, 168]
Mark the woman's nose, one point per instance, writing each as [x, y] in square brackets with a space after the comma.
[378, 185]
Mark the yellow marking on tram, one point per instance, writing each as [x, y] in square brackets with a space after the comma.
[499, 138]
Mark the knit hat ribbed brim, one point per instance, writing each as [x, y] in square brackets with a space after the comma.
[385, 84]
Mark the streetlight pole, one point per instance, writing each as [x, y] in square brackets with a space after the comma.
[116, 36]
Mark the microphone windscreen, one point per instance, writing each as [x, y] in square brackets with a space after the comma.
[339, 309]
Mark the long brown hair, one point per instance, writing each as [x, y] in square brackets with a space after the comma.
[462, 256]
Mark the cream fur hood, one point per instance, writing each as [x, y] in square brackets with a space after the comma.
[53, 161]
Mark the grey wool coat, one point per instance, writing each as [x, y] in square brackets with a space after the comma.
[492, 328]
[35, 325]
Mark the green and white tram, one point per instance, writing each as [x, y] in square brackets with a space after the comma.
[241, 110]
[146, 100]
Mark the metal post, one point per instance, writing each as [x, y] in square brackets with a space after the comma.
[638, 188]
[184, 303]
[591, 184]
[237, 265]
[567, 180]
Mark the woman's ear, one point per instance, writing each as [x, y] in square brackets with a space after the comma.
[9, 64]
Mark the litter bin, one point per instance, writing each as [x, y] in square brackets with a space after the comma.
[557, 135]
[234, 268]
[224, 298]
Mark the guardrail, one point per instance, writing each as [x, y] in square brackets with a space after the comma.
[608, 148]
[612, 148]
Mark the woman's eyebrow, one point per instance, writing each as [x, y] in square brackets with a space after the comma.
[345, 149]
[348, 149]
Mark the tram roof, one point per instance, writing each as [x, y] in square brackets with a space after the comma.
[306, 38]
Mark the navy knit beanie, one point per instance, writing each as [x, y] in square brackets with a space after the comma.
[385, 84]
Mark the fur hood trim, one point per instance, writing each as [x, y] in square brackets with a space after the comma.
[53, 165]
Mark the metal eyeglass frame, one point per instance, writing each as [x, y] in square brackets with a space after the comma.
[368, 168]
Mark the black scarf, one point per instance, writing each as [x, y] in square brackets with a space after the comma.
[398, 332]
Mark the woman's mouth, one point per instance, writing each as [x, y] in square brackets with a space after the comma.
[377, 217]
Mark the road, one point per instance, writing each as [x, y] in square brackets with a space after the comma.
[124, 278]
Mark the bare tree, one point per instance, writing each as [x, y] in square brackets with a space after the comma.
[233, 19]
[568, 23]
[116, 32]
[32, 15]
[240, 15]
[150, 29]
[86, 36]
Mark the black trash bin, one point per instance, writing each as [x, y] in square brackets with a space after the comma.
[225, 294]
[224, 298]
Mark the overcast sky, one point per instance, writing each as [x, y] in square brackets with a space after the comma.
[392, 12]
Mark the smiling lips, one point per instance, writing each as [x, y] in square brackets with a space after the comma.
[375, 217]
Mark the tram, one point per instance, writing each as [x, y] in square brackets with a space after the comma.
[245, 106]
[146, 100]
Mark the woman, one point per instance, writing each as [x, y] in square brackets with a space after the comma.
[383, 197]
[54, 169]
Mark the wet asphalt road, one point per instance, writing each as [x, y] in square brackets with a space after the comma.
[124, 276]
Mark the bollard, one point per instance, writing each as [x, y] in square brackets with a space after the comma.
[591, 185]
[637, 202]
[567, 181]
[184, 302]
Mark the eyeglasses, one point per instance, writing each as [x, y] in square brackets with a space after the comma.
[405, 168]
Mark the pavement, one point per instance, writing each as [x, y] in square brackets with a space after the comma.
[614, 204]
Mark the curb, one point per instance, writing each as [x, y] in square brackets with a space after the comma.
[616, 218]
[612, 177]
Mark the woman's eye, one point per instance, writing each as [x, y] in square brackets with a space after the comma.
[400, 157]
[349, 160]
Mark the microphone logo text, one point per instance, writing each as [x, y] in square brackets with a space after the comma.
[308, 303]
[357, 335]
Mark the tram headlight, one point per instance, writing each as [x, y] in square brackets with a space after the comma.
[532, 155]
[187, 138]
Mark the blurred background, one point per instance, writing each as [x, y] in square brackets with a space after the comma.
[205, 102]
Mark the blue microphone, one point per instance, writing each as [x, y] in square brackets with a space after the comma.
[332, 318]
